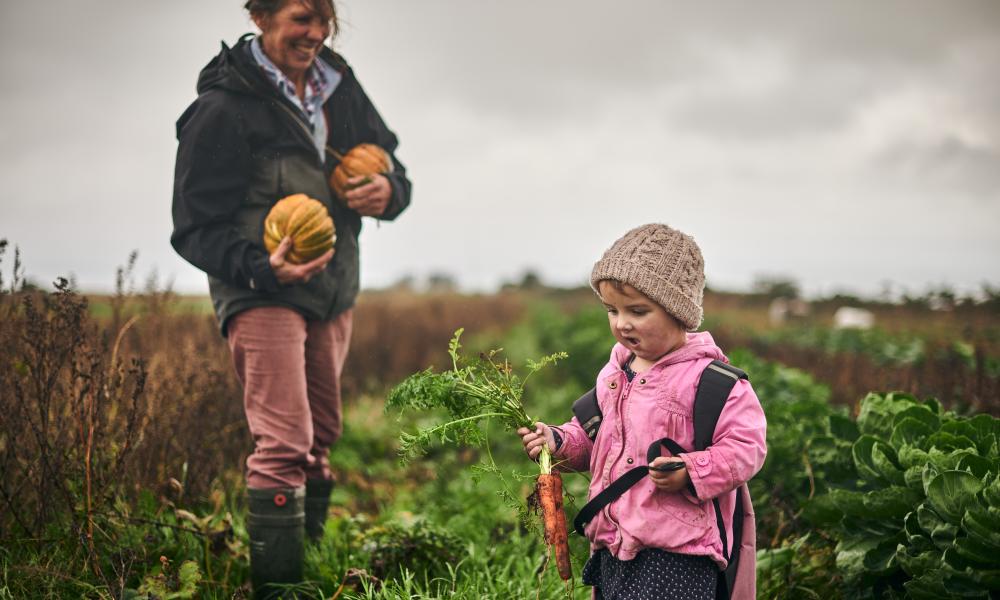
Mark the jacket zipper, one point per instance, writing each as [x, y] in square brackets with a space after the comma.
[291, 113]
[298, 121]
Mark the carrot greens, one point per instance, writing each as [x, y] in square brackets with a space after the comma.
[474, 392]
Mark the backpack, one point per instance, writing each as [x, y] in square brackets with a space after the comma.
[714, 386]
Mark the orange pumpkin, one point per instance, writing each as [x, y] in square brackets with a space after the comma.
[306, 221]
[363, 159]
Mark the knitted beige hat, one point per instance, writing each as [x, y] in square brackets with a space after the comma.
[662, 263]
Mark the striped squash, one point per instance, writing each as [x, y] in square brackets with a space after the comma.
[363, 159]
[306, 221]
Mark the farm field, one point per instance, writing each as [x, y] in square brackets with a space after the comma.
[122, 438]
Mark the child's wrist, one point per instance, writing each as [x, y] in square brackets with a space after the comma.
[557, 439]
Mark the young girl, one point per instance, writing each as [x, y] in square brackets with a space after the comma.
[660, 539]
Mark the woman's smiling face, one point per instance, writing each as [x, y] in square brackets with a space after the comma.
[639, 324]
[293, 36]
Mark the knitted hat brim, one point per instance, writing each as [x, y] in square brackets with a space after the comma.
[636, 275]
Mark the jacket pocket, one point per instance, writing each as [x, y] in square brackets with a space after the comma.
[676, 507]
[664, 520]
[265, 180]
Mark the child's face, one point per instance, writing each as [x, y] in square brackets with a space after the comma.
[639, 324]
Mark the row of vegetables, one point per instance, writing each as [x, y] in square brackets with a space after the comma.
[899, 498]
[884, 348]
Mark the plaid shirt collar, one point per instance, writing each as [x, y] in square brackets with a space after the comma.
[321, 80]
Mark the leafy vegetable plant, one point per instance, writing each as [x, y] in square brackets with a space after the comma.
[475, 392]
[922, 517]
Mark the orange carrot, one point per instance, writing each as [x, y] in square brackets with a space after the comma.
[550, 498]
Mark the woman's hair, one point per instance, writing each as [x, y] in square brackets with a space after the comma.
[325, 8]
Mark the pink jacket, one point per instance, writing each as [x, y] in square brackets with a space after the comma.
[657, 404]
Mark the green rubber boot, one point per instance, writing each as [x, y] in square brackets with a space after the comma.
[317, 506]
[276, 524]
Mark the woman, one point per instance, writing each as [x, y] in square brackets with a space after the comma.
[272, 115]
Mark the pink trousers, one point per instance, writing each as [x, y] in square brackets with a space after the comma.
[290, 370]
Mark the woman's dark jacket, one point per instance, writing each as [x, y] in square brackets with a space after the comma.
[242, 147]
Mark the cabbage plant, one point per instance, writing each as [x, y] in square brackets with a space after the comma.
[921, 518]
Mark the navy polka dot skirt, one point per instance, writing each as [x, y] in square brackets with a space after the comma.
[653, 574]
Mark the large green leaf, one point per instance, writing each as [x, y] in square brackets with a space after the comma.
[980, 554]
[991, 493]
[956, 561]
[992, 447]
[982, 429]
[928, 586]
[921, 413]
[983, 525]
[961, 586]
[912, 456]
[988, 578]
[851, 555]
[877, 413]
[910, 432]
[977, 465]
[952, 493]
[928, 474]
[886, 463]
[864, 462]
[914, 478]
[947, 441]
[940, 584]
[879, 528]
[941, 532]
[916, 563]
[881, 560]
[890, 504]
[948, 460]
[843, 427]
[960, 427]
[774, 559]
[850, 503]
[911, 524]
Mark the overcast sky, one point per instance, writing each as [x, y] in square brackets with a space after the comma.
[842, 144]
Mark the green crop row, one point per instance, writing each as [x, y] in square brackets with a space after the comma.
[900, 502]
[882, 347]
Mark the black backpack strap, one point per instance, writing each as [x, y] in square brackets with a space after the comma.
[727, 578]
[716, 383]
[617, 488]
[622, 484]
[588, 413]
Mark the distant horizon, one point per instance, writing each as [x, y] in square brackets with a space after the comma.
[887, 291]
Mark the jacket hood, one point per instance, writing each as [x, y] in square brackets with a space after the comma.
[698, 346]
[231, 69]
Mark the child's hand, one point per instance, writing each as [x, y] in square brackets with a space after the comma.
[669, 481]
[533, 439]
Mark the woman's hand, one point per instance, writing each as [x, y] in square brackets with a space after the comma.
[290, 273]
[370, 199]
[669, 481]
[533, 439]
